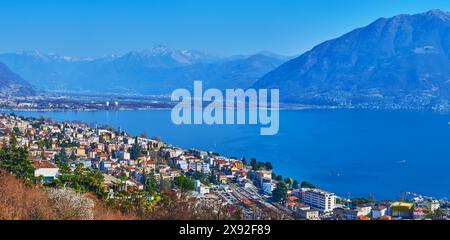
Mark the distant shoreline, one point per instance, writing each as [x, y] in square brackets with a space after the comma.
[283, 108]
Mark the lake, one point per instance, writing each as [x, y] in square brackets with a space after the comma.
[353, 153]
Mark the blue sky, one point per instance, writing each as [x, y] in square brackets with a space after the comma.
[223, 27]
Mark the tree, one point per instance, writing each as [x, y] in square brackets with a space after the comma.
[202, 177]
[295, 184]
[274, 175]
[254, 163]
[73, 157]
[70, 205]
[61, 159]
[16, 131]
[359, 201]
[184, 183]
[135, 151]
[288, 181]
[143, 134]
[47, 143]
[306, 184]
[279, 194]
[81, 180]
[15, 160]
[260, 166]
[150, 183]
[20, 202]
[156, 138]
[279, 178]
[268, 166]
[244, 161]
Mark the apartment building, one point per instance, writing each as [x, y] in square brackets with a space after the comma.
[319, 199]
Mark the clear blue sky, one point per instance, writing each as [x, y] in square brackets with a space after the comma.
[224, 27]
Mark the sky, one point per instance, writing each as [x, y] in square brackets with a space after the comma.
[93, 28]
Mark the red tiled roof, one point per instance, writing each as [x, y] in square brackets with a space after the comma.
[292, 198]
[43, 164]
[363, 218]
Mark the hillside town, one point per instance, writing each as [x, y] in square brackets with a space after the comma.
[123, 164]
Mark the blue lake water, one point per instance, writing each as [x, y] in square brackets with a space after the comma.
[350, 152]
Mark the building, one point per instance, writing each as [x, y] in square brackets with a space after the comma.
[308, 214]
[205, 168]
[45, 169]
[402, 210]
[262, 176]
[183, 165]
[124, 155]
[200, 188]
[364, 210]
[346, 214]
[267, 187]
[222, 178]
[379, 212]
[105, 165]
[434, 205]
[198, 153]
[319, 199]
[81, 152]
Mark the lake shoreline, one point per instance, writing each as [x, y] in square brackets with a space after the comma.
[331, 149]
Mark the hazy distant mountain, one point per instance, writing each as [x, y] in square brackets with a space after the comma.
[12, 84]
[401, 59]
[158, 70]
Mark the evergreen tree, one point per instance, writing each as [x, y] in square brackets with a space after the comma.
[288, 181]
[279, 194]
[268, 166]
[184, 183]
[150, 183]
[135, 151]
[73, 157]
[306, 184]
[254, 163]
[295, 184]
[279, 178]
[15, 160]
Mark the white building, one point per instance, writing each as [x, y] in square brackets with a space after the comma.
[183, 165]
[125, 155]
[45, 169]
[379, 212]
[173, 152]
[364, 210]
[319, 199]
[205, 168]
[434, 205]
[200, 188]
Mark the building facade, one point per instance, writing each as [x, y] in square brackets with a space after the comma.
[319, 199]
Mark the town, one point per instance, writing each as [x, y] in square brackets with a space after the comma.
[117, 167]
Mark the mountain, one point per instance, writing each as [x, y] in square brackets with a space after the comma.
[158, 70]
[47, 71]
[404, 59]
[12, 84]
[163, 57]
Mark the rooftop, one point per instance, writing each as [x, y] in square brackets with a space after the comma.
[43, 164]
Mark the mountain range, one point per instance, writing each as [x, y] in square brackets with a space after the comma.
[158, 70]
[12, 84]
[405, 58]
